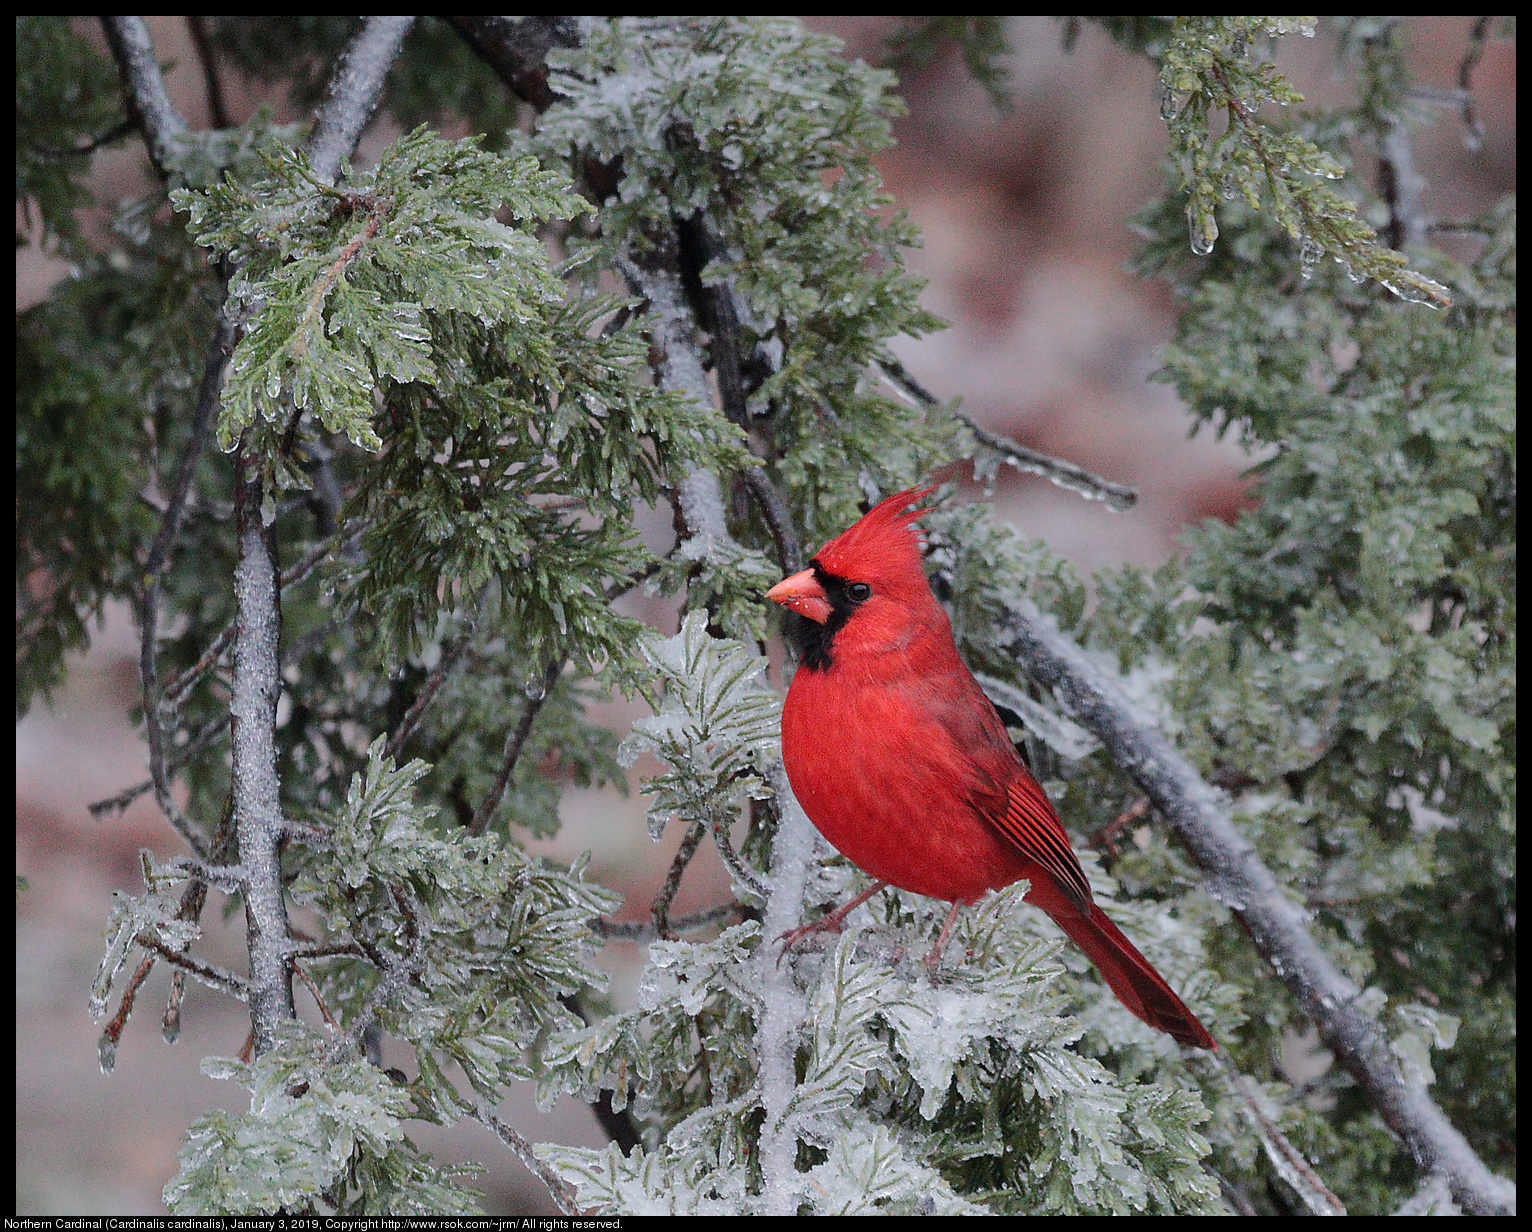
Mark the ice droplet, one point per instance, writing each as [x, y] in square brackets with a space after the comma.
[1204, 231]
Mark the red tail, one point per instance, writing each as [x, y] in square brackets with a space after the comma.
[1128, 974]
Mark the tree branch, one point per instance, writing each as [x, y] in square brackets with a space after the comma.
[1065, 474]
[144, 87]
[660, 909]
[1237, 876]
[1473, 135]
[354, 93]
[256, 789]
[643, 931]
[218, 110]
[514, 741]
[560, 1191]
[715, 305]
[451, 657]
[783, 1014]
[159, 557]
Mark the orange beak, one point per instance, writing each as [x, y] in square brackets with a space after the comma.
[804, 595]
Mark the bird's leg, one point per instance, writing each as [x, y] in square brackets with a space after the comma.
[935, 956]
[829, 923]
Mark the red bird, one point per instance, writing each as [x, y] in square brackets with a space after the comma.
[900, 760]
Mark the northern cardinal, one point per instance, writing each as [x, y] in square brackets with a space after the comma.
[900, 760]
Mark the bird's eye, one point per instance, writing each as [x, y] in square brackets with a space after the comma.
[859, 592]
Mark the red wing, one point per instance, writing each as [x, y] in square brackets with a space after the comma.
[1030, 822]
[1004, 792]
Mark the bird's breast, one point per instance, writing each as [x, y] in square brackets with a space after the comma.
[891, 788]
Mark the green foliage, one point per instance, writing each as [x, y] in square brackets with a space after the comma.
[763, 135]
[460, 421]
[1205, 69]
[912, 1097]
[101, 368]
[347, 278]
[323, 1134]
[1354, 663]
[442, 914]
[715, 728]
[66, 100]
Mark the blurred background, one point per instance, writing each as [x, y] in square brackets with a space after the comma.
[1051, 342]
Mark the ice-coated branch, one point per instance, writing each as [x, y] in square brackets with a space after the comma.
[560, 1191]
[660, 909]
[793, 855]
[1236, 875]
[147, 96]
[354, 92]
[256, 790]
[179, 686]
[673, 330]
[719, 312]
[643, 931]
[1065, 474]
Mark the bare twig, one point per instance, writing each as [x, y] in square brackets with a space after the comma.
[327, 949]
[177, 688]
[644, 931]
[193, 899]
[204, 736]
[324, 1010]
[745, 876]
[660, 909]
[116, 133]
[106, 1046]
[217, 110]
[559, 1190]
[148, 99]
[1057, 470]
[1106, 836]
[215, 977]
[1236, 874]
[170, 1024]
[159, 556]
[514, 742]
[451, 657]
[1473, 136]
[1287, 1158]
[212, 729]
[228, 878]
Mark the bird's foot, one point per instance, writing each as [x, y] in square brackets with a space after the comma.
[830, 923]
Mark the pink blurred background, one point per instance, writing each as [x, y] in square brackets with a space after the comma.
[1051, 341]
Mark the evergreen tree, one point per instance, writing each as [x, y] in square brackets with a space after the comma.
[372, 439]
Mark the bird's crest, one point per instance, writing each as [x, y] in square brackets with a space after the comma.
[882, 540]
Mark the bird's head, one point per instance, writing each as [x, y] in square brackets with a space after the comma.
[865, 592]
